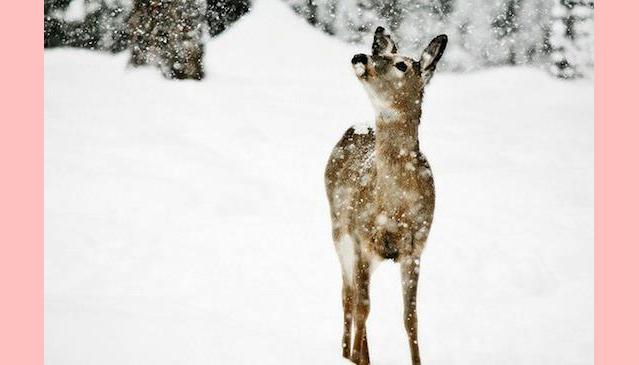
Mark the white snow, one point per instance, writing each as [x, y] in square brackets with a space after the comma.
[186, 222]
[76, 11]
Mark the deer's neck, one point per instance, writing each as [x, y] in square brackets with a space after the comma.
[396, 141]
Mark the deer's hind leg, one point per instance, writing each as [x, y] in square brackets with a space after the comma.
[346, 253]
[347, 305]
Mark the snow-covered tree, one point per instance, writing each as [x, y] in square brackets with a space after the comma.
[222, 13]
[421, 20]
[482, 33]
[505, 27]
[391, 12]
[556, 34]
[355, 20]
[93, 24]
[102, 24]
[168, 34]
[443, 8]
[571, 37]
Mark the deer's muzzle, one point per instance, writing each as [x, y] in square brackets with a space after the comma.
[359, 58]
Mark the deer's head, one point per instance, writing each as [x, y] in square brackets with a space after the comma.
[395, 82]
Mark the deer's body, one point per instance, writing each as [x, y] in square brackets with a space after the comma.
[380, 188]
[381, 193]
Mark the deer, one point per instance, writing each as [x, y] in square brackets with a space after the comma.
[380, 187]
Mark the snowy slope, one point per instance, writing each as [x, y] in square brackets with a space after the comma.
[186, 222]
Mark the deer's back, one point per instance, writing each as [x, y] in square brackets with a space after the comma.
[350, 168]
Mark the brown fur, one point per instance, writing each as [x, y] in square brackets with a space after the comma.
[380, 189]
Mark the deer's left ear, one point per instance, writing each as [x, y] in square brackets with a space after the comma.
[433, 52]
[382, 43]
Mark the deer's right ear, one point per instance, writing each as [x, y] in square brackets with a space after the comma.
[382, 43]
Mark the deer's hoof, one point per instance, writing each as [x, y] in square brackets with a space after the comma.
[359, 360]
[346, 352]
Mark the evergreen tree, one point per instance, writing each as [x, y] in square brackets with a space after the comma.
[532, 44]
[168, 34]
[355, 20]
[391, 12]
[104, 24]
[54, 29]
[571, 38]
[222, 13]
[421, 20]
[505, 26]
[443, 8]
[482, 32]
[102, 27]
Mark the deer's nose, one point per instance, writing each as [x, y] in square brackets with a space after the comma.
[359, 58]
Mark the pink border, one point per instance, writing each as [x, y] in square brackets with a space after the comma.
[616, 183]
[22, 183]
[21, 195]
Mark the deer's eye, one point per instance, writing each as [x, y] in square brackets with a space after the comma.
[401, 66]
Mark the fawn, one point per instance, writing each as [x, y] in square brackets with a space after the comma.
[380, 187]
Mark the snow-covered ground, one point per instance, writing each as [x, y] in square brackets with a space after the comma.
[186, 222]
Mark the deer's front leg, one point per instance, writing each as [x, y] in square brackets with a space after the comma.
[410, 277]
[362, 308]
[347, 304]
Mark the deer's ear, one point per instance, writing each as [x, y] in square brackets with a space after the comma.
[382, 43]
[433, 52]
